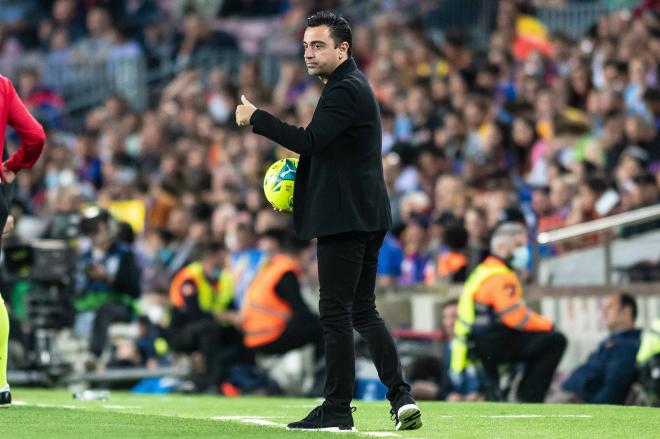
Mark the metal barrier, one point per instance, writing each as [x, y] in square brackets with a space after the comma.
[86, 81]
[632, 217]
[575, 20]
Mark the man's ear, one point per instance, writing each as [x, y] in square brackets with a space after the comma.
[344, 47]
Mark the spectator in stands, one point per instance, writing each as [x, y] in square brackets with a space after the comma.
[89, 161]
[137, 14]
[415, 255]
[389, 261]
[583, 206]
[441, 383]
[452, 264]
[199, 39]
[478, 237]
[560, 196]
[108, 280]
[46, 104]
[203, 318]
[99, 29]
[606, 376]
[495, 327]
[65, 17]
[646, 191]
[245, 259]
[275, 317]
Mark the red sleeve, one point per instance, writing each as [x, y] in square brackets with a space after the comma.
[31, 133]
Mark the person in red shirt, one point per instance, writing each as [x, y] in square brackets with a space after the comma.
[32, 138]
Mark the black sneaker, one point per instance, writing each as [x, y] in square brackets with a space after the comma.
[405, 413]
[323, 418]
[5, 399]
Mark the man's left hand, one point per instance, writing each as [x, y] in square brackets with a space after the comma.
[244, 112]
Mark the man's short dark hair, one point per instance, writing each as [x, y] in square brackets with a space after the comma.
[627, 300]
[340, 30]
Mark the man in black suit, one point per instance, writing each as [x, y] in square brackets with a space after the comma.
[340, 197]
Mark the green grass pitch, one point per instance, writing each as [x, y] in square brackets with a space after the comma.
[52, 414]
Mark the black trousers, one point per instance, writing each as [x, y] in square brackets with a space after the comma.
[347, 266]
[539, 351]
[221, 347]
[106, 315]
[299, 332]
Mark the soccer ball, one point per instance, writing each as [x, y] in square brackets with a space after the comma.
[278, 183]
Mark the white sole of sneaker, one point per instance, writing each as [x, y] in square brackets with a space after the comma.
[332, 429]
[410, 418]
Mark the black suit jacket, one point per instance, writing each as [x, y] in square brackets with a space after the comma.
[339, 183]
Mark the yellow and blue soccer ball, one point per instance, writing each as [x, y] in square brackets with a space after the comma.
[278, 183]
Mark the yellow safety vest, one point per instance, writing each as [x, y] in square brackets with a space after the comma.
[650, 345]
[466, 314]
[211, 298]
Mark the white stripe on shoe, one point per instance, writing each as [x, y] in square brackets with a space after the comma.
[409, 417]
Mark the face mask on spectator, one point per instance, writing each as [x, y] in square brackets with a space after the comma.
[520, 258]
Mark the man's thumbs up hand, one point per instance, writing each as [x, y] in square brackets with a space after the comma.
[244, 112]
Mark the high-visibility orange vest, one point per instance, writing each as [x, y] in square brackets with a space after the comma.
[450, 263]
[494, 286]
[265, 314]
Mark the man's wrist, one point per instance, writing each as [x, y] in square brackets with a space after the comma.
[252, 116]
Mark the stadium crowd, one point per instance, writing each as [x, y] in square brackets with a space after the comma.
[535, 128]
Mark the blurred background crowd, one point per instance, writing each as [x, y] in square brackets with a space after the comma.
[489, 117]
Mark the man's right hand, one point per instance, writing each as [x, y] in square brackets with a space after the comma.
[244, 112]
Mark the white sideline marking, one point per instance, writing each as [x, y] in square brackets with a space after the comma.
[534, 416]
[132, 407]
[514, 416]
[257, 420]
[241, 418]
[263, 421]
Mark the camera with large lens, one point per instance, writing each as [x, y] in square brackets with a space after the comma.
[46, 266]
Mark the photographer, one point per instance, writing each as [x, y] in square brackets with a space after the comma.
[108, 279]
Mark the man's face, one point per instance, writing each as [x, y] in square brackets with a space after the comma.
[612, 313]
[321, 55]
[540, 202]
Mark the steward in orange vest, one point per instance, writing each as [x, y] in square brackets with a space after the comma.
[275, 318]
[496, 327]
[203, 321]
